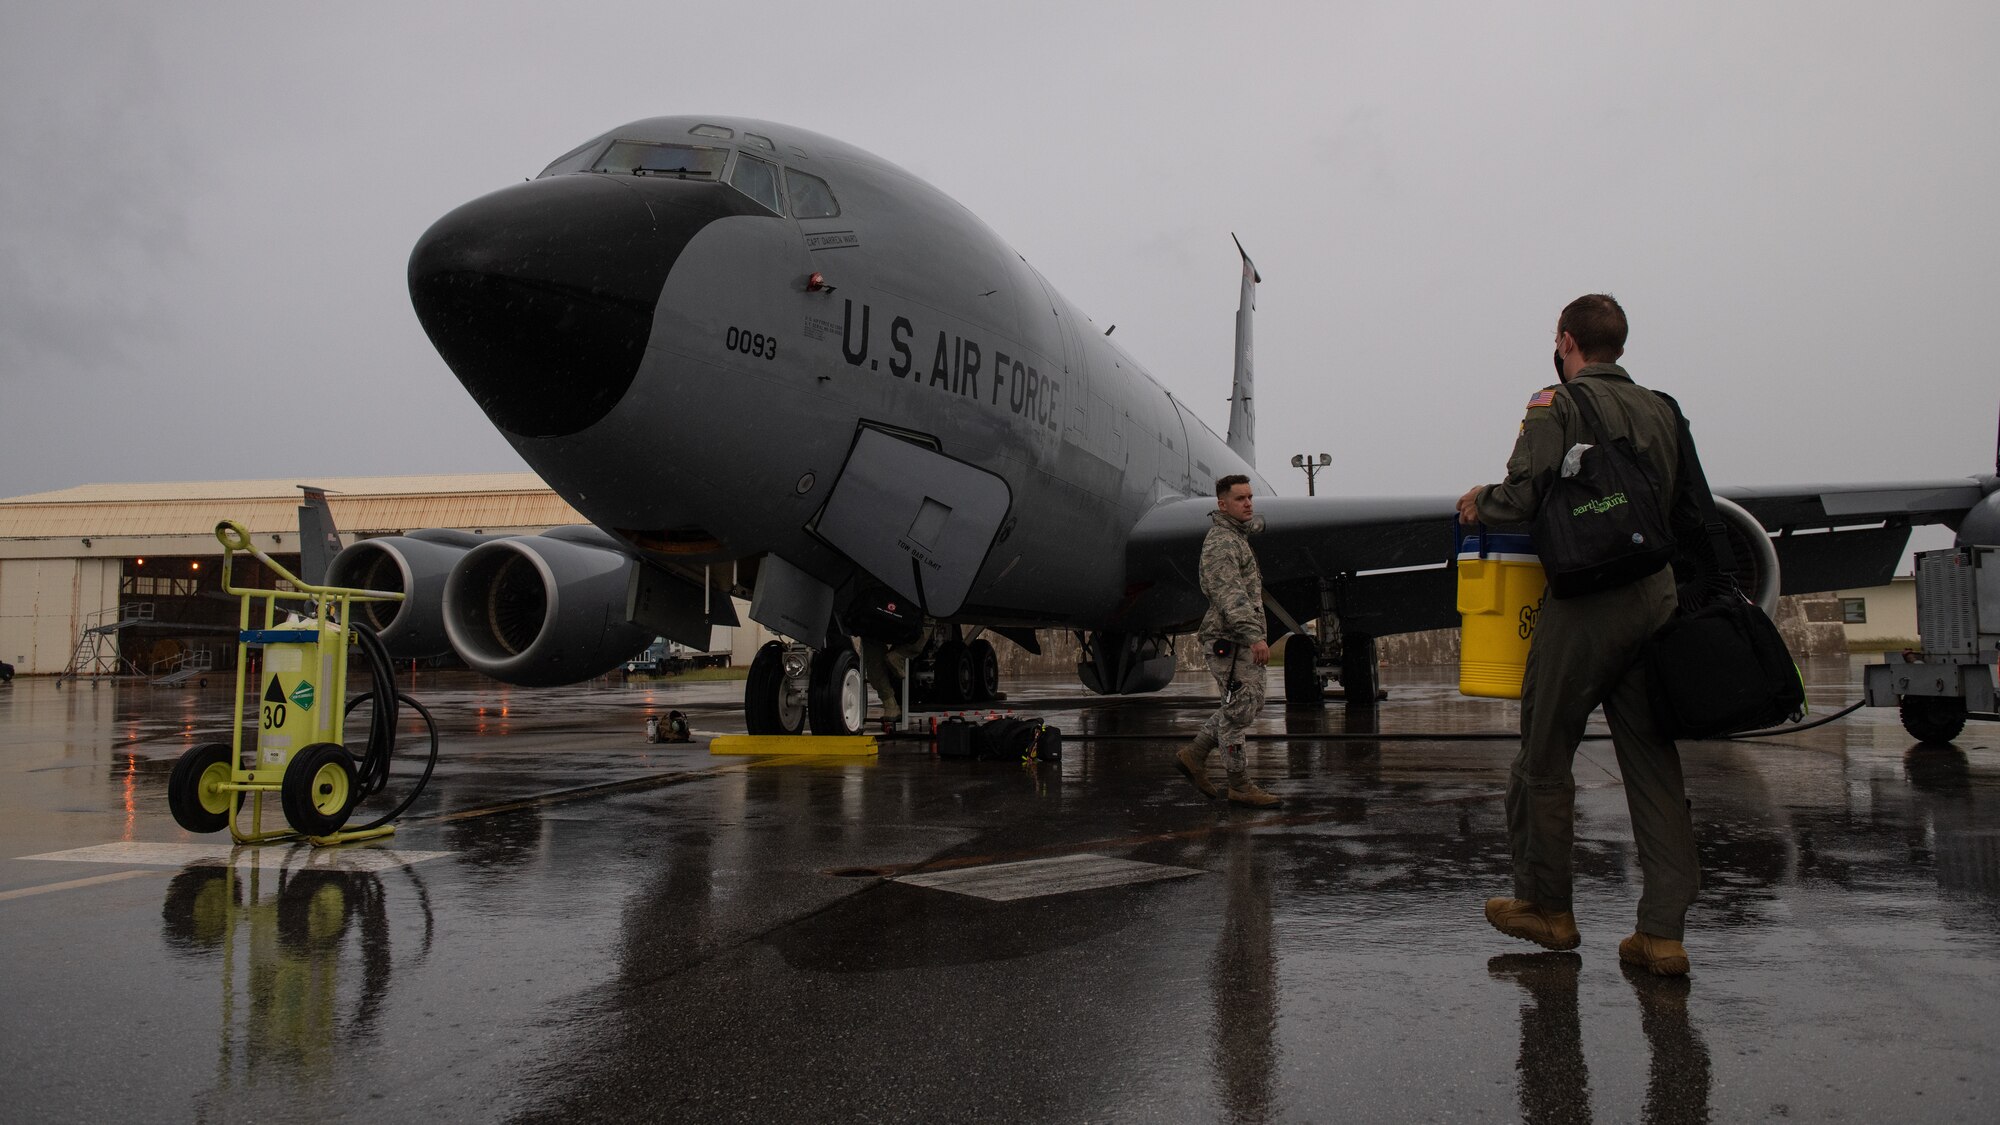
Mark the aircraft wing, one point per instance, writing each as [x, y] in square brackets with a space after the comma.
[1390, 556]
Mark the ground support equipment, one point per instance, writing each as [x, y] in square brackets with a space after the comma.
[1956, 676]
[301, 706]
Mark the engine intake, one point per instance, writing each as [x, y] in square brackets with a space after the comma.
[414, 565]
[1756, 558]
[541, 611]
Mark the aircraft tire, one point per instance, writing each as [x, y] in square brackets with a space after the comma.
[191, 794]
[1302, 687]
[985, 664]
[764, 710]
[1357, 669]
[1929, 719]
[319, 789]
[837, 701]
[953, 679]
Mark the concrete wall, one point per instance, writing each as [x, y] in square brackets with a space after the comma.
[44, 604]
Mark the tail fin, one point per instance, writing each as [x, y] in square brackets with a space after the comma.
[319, 540]
[1242, 414]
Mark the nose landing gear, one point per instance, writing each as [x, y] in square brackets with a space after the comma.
[791, 685]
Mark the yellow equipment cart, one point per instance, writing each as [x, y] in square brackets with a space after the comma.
[301, 706]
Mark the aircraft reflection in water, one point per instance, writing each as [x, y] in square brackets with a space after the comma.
[285, 959]
[765, 363]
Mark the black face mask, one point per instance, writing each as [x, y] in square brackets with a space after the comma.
[1559, 365]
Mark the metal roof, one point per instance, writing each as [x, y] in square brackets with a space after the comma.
[360, 504]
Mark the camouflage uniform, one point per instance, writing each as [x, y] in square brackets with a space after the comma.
[1586, 652]
[1235, 591]
[884, 665]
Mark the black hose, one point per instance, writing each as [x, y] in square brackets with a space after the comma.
[1440, 736]
[372, 772]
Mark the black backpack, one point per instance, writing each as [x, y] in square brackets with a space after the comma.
[1606, 526]
[1718, 666]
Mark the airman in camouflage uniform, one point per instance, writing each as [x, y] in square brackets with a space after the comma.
[1235, 623]
[1586, 652]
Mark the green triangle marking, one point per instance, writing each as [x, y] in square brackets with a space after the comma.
[274, 693]
[302, 695]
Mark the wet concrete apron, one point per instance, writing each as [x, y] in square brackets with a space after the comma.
[573, 924]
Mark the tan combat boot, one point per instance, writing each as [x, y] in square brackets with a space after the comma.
[1550, 929]
[1193, 764]
[1243, 791]
[1662, 957]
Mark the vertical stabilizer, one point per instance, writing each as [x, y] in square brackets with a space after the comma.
[319, 540]
[1242, 411]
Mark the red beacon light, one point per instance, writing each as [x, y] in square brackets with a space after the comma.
[816, 283]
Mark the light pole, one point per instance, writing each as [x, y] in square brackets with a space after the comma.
[1312, 467]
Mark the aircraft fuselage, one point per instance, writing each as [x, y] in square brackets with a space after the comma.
[655, 346]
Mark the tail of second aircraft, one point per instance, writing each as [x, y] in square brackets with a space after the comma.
[1242, 412]
[319, 540]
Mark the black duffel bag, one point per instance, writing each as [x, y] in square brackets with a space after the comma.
[1722, 669]
[1718, 666]
[1017, 740]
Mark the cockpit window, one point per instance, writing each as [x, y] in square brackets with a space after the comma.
[575, 160]
[811, 198]
[645, 158]
[760, 141]
[719, 132]
[757, 179]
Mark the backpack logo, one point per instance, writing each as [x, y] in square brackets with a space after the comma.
[1600, 506]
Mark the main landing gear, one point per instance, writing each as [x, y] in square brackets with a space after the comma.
[792, 685]
[1307, 670]
[962, 672]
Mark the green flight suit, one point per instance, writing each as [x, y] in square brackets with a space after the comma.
[1586, 652]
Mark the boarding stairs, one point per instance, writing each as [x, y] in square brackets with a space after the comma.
[97, 655]
[183, 666]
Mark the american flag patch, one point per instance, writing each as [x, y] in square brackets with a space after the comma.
[1543, 398]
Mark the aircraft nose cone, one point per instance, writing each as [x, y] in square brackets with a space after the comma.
[540, 296]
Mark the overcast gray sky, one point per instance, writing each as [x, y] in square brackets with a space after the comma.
[207, 209]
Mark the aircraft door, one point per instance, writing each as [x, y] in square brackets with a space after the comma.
[918, 521]
[1076, 369]
[1174, 476]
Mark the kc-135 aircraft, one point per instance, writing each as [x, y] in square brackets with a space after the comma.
[765, 363]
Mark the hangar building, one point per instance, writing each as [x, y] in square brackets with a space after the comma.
[140, 562]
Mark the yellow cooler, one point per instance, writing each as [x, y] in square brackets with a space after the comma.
[1500, 588]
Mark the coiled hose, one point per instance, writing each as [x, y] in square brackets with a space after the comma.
[372, 772]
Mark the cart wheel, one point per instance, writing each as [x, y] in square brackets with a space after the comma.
[196, 913]
[192, 793]
[314, 910]
[1933, 718]
[319, 789]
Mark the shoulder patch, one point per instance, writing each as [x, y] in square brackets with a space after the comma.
[1543, 398]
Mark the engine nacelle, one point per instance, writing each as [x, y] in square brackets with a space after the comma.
[539, 611]
[414, 565]
[1981, 526]
[1756, 558]
[1126, 663]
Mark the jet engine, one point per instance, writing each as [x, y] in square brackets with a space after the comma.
[414, 565]
[543, 610]
[1756, 558]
